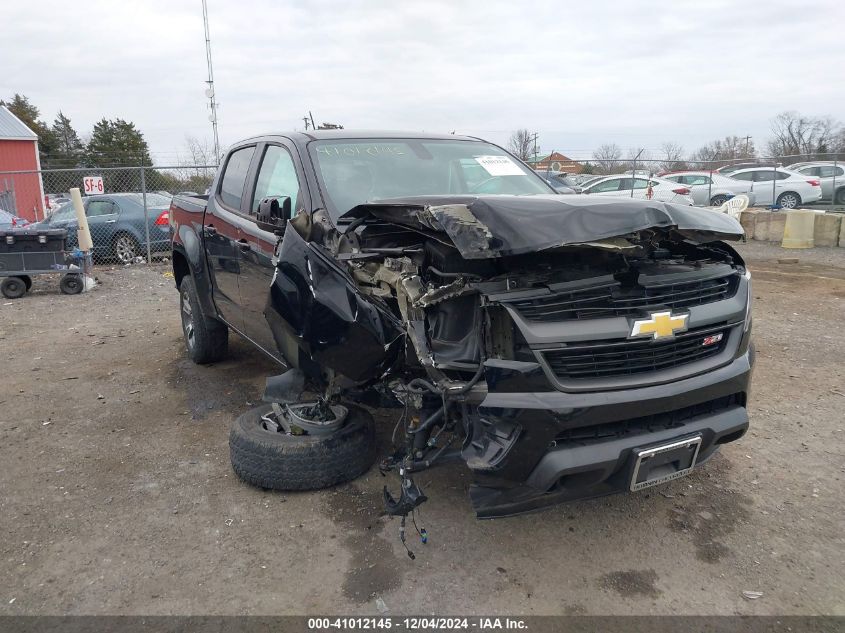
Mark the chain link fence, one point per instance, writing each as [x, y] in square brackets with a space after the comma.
[811, 180]
[127, 207]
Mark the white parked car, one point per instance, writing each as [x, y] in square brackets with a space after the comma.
[776, 186]
[711, 189]
[830, 174]
[624, 186]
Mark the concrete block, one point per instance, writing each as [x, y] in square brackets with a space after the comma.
[798, 232]
[769, 226]
[842, 234]
[748, 219]
[827, 229]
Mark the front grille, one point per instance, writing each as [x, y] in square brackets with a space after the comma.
[648, 423]
[624, 357]
[613, 300]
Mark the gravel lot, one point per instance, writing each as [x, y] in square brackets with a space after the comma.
[116, 494]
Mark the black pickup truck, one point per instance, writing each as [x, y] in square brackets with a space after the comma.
[562, 347]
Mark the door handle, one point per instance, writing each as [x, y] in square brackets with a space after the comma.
[243, 245]
[111, 221]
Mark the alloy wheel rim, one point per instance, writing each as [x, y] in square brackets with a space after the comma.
[187, 319]
[125, 249]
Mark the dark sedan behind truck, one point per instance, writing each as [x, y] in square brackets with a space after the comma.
[562, 347]
[117, 223]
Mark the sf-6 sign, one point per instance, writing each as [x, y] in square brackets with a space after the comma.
[92, 185]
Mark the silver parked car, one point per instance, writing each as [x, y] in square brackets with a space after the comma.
[711, 189]
[624, 186]
[830, 174]
[790, 188]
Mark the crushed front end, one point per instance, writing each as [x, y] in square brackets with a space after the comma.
[549, 345]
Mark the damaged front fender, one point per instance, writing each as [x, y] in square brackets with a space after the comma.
[315, 306]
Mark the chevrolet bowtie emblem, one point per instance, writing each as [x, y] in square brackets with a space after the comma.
[660, 325]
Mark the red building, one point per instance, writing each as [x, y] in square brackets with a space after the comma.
[555, 162]
[21, 194]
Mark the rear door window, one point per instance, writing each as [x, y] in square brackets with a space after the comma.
[748, 175]
[97, 208]
[607, 185]
[234, 178]
[697, 180]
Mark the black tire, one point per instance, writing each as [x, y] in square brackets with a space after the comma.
[71, 284]
[789, 200]
[125, 248]
[13, 287]
[840, 196]
[276, 461]
[28, 281]
[718, 201]
[207, 340]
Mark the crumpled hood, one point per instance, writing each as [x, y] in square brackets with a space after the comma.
[483, 227]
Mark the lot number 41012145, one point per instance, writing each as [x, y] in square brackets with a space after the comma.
[92, 185]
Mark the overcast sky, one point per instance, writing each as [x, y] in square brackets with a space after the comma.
[579, 73]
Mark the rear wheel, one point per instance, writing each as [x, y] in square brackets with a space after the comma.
[125, 248]
[789, 200]
[13, 287]
[71, 284]
[718, 201]
[840, 196]
[207, 340]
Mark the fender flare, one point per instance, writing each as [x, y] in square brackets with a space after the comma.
[188, 245]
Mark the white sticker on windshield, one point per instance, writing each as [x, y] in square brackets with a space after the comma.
[499, 166]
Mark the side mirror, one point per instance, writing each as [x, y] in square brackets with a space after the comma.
[273, 213]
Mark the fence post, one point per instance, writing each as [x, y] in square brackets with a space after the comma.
[710, 188]
[833, 185]
[774, 186]
[146, 218]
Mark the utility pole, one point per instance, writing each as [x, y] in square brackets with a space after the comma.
[209, 92]
[533, 138]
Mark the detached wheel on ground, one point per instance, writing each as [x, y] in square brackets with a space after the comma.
[13, 287]
[125, 248]
[789, 200]
[71, 284]
[270, 458]
[206, 339]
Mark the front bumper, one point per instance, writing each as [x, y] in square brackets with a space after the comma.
[536, 449]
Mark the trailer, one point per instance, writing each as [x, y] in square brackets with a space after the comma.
[27, 252]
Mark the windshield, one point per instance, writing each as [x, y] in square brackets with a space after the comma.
[355, 171]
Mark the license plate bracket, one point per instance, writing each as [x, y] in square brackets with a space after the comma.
[658, 464]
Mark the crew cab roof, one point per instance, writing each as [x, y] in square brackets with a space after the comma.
[331, 135]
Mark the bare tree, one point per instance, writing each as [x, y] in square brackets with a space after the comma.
[199, 153]
[673, 157]
[521, 144]
[608, 158]
[724, 151]
[197, 165]
[795, 133]
[640, 159]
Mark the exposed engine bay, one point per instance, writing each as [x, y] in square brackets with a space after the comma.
[430, 305]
